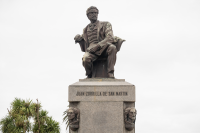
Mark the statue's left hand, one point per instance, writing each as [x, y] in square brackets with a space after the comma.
[94, 49]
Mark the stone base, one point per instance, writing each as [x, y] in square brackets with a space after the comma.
[101, 103]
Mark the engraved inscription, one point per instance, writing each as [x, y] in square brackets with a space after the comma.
[99, 93]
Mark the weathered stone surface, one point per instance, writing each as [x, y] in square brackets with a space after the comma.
[101, 79]
[102, 113]
[128, 104]
[101, 117]
[101, 90]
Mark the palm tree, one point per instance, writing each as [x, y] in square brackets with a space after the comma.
[65, 118]
[21, 113]
[18, 119]
[7, 125]
[47, 124]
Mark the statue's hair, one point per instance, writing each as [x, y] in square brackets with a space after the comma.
[75, 110]
[92, 7]
[127, 110]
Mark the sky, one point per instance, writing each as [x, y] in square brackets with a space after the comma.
[39, 58]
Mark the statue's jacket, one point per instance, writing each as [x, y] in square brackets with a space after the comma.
[104, 36]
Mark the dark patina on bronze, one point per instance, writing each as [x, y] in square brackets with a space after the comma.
[129, 118]
[74, 118]
[100, 46]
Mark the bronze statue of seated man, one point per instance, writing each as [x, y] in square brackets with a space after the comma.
[97, 41]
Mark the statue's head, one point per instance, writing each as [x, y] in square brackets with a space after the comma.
[70, 113]
[73, 117]
[129, 118]
[131, 112]
[92, 13]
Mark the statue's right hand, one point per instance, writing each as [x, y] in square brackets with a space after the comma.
[77, 38]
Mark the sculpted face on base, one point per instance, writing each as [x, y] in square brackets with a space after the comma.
[70, 114]
[129, 118]
[132, 114]
[73, 118]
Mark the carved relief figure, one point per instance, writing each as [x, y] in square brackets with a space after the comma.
[74, 118]
[97, 41]
[129, 118]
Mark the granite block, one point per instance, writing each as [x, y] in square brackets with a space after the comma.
[101, 117]
[101, 103]
[101, 90]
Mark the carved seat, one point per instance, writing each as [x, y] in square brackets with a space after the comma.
[100, 68]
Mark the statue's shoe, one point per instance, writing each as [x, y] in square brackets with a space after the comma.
[111, 75]
[89, 76]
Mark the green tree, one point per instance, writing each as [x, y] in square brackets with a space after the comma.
[18, 119]
[65, 118]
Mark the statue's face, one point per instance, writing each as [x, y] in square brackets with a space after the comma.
[70, 114]
[132, 114]
[92, 15]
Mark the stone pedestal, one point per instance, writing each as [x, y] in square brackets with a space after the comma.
[101, 103]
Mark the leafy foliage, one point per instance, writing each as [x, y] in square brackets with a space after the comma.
[7, 124]
[48, 125]
[18, 119]
[65, 118]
